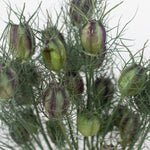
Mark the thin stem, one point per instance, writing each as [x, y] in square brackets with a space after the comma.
[143, 52]
[71, 133]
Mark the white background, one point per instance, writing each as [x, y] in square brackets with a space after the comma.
[138, 29]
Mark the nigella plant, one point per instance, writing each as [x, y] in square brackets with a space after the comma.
[67, 90]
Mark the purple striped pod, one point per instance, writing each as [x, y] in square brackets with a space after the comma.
[78, 9]
[132, 80]
[22, 41]
[54, 54]
[8, 82]
[93, 37]
[56, 100]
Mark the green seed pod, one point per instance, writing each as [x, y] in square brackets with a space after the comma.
[88, 123]
[56, 100]
[54, 54]
[55, 133]
[132, 80]
[93, 37]
[8, 82]
[22, 41]
[86, 8]
[104, 90]
[18, 133]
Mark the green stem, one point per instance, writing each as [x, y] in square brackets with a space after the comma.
[42, 129]
[71, 133]
[88, 143]
[65, 135]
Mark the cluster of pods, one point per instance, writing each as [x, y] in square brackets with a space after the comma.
[19, 78]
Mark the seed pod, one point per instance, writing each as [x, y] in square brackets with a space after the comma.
[93, 37]
[22, 41]
[8, 82]
[88, 123]
[18, 133]
[74, 83]
[78, 7]
[104, 90]
[56, 100]
[55, 132]
[132, 80]
[54, 54]
[129, 128]
[128, 124]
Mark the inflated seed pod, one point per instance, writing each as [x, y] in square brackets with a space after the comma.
[104, 90]
[8, 82]
[54, 54]
[55, 132]
[93, 37]
[56, 100]
[74, 83]
[78, 8]
[88, 123]
[132, 80]
[18, 133]
[22, 41]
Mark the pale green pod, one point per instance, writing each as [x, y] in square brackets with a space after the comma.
[54, 55]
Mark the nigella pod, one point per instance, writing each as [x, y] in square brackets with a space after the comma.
[22, 41]
[56, 100]
[78, 8]
[104, 90]
[54, 54]
[132, 80]
[74, 82]
[8, 82]
[93, 37]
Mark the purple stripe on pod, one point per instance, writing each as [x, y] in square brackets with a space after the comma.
[12, 77]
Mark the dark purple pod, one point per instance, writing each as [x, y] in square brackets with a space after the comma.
[22, 41]
[74, 83]
[93, 37]
[104, 91]
[85, 6]
[56, 100]
[8, 82]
